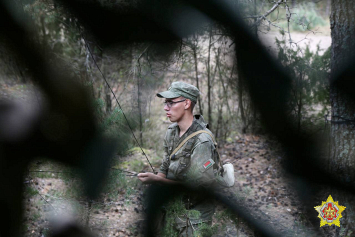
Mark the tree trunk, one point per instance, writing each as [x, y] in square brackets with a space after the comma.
[209, 79]
[342, 159]
[342, 134]
[240, 88]
[225, 91]
[219, 122]
[90, 60]
[299, 98]
[140, 108]
[138, 103]
[196, 74]
[139, 95]
[241, 106]
[108, 100]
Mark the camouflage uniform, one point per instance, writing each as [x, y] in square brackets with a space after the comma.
[195, 163]
[188, 165]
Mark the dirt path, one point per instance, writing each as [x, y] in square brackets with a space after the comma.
[266, 193]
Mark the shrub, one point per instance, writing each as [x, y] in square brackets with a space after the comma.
[309, 71]
[114, 125]
[305, 17]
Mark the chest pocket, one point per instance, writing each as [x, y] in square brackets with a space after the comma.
[180, 162]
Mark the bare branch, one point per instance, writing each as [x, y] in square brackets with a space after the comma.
[288, 15]
[263, 17]
[144, 51]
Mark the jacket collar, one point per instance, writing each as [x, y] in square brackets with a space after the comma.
[200, 120]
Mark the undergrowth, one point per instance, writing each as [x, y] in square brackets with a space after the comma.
[174, 210]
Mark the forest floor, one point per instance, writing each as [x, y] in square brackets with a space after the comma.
[260, 184]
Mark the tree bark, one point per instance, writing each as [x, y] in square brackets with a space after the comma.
[240, 88]
[342, 159]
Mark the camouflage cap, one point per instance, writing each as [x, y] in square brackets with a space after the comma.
[180, 88]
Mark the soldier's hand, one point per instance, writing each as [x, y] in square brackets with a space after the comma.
[147, 178]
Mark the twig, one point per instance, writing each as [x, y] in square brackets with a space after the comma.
[263, 17]
[274, 25]
[145, 50]
[212, 43]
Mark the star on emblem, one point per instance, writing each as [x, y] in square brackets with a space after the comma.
[329, 212]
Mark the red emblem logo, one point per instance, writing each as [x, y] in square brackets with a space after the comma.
[329, 211]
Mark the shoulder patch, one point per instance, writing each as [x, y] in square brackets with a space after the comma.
[208, 164]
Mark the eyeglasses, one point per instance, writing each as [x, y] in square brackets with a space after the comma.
[171, 103]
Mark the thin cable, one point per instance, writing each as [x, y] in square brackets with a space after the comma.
[103, 76]
[55, 210]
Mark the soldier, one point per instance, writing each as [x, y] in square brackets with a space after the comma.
[195, 162]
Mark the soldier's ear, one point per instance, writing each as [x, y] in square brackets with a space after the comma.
[188, 104]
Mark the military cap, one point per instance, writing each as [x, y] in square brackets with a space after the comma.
[180, 88]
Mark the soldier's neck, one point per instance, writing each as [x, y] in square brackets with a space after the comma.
[185, 123]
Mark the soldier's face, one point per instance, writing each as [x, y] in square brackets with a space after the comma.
[175, 111]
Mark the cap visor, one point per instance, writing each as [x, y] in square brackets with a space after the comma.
[168, 95]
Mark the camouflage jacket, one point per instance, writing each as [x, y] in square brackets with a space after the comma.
[191, 162]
